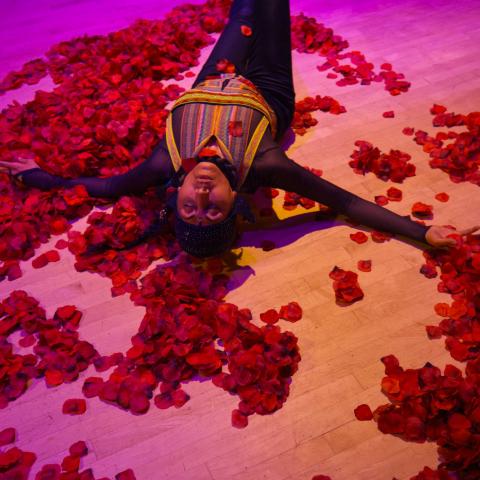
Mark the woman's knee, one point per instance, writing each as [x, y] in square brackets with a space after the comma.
[243, 10]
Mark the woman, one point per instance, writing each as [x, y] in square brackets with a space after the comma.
[222, 138]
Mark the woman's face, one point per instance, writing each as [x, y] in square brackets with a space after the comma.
[205, 197]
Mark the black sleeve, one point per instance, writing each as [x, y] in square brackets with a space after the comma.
[155, 170]
[274, 169]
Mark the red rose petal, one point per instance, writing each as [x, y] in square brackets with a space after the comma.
[92, 387]
[61, 244]
[380, 237]
[359, 237]
[363, 412]
[71, 463]
[49, 472]
[345, 285]
[207, 152]
[235, 128]
[125, 475]
[270, 316]
[78, 449]
[442, 197]
[7, 436]
[364, 265]
[420, 209]
[53, 378]
[45, 258]
[74, 406]
[442, 309]
[437, 109]
[225, 66]
[381, 200]
[239, 420]
[394, 194]
[291, 312]
[433, 331]
[389, 114]
[163, 401]
[246, 30]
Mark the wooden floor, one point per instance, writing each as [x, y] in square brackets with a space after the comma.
[435, 43]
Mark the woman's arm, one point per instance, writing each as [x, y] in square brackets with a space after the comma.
[155, 170]
[274, 169]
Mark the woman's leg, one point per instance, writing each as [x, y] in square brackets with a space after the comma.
[269, 65]
[232, 44]
[265, 57]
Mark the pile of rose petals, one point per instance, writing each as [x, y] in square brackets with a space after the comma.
[30, 74]
[186, 322]
[427, 405]
[58, 353]
[460, 158]
[346, 287]
[460, 277]
[302, 118]
[123, 243]
[16, 464]
[392, 166]
[309, 36]
[29, 217]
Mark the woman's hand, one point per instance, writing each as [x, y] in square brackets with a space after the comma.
[18, 165]
[437, 236]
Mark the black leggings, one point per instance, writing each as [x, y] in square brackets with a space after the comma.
[264, 58]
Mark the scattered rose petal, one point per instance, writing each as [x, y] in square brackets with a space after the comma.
[246, 30]
[291, 312]
[381, 200]
[394, 194]
[270, 316]
[363, 412]
[364, 265]
[442, 197]
[7, 436]
[359, 237]
[239, 420]
[235, 129]
[74, 406]
[422, 210]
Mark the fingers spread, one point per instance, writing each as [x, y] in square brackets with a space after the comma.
[469, 230]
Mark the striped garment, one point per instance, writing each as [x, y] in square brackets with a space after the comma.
[228, 107]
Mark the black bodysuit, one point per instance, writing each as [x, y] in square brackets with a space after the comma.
[270, 168]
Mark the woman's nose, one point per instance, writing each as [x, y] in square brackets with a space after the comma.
[202, 197]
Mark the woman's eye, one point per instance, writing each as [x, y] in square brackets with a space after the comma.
[214, 213]
[188, 208]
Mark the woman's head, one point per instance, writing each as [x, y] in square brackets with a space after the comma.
[206, 196]
[206, 205]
